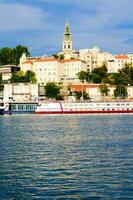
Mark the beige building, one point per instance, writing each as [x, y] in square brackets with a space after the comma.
[94, 93]
[94, 57]
[117, 63]
[46, 69]
[51, 69]
[130, 56]
[71, 68]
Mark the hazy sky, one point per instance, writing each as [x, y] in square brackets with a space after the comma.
[39, 24]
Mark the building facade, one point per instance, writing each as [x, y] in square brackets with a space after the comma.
[94, 57]
[20, 92]
[117, 63]
[51, 69]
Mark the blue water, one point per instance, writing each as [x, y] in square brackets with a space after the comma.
[66, 157]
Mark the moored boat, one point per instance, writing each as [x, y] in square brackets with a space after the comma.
[85, 107]
[3, 107]
[20, 107]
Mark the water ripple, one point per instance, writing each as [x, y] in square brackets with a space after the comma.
[66, 157]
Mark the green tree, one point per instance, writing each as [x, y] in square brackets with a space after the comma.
[98, 74]
[1, 85]
[81, 76]
[104, 89]
[52, 90]
[18, 77]
[0, 78]
[78, 95]
[61, 57]
[21, 77]
[120, 91]
[6, 56]
[55, 56]
[30, 76]
[116, 79]
[127, 74]
[18, 51]
[11, 56]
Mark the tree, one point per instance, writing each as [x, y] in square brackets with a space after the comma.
[61, 57]
[18, 51]
[116, 79]
[98, 74]
[81, 76]
[127, 74]
[52, 90]
[78, 95]
[30, 76]
[55, 56]
[6, 56]
[104, 89]
[18, 77]
[1, 87]
[21, 77]
[11, 56]
[120, 91]
[0, 78]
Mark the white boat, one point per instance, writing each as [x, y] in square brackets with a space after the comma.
[85, 107]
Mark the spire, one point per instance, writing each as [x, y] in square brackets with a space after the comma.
[67, 33]
[67, 40]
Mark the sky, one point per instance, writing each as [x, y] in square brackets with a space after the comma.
[39, 24]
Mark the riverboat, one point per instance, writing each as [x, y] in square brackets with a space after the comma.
[20, 107]
[85, 107]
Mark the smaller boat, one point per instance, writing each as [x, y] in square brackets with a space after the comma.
[3, 107]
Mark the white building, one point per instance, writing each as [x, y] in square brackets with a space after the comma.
[117, 63]
[20, 92]
[51, 69]
[71, 68]
[94, 57]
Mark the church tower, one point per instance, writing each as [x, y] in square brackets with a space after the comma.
[67, 40]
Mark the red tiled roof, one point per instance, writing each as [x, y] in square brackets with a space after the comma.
[51, 60]
[45, 60]
[70, 60]
[78, 87]
[27, 62]
[121, 56]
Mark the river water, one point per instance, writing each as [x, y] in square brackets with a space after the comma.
[66, 157]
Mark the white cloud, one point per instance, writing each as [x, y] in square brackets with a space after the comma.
[21, 17]
[102, 23]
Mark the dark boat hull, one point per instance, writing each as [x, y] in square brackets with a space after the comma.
[2, 111]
